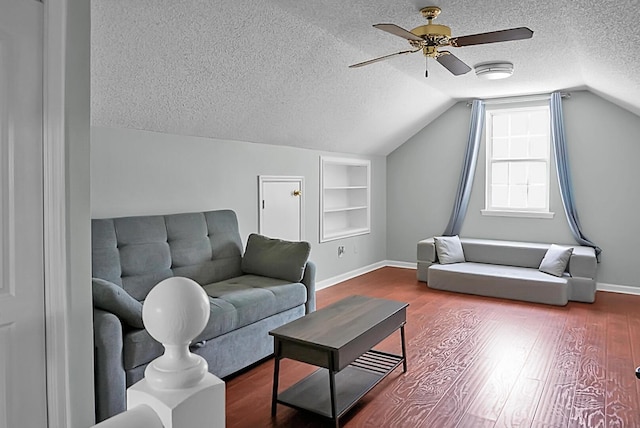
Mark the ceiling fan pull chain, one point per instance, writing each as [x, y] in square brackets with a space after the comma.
[426, 66]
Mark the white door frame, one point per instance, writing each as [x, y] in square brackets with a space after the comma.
[280, 178]
[55, 199]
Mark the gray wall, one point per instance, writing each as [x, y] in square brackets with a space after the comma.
[139, 172]
[604, 150]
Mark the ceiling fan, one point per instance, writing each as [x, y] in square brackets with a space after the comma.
[431, 37]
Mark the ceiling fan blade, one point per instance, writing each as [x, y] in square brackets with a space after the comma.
[398, 31]
[382, 58]
[492, 37]
[452, 63]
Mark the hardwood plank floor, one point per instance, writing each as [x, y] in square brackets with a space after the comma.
[477, 362]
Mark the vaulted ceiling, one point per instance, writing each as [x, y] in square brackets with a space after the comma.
[276, 72]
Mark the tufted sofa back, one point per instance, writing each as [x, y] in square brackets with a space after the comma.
[138, 252]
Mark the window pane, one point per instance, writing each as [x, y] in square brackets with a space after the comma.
[518, 173]
[538, 173]
[500, 196]
[520, 123]
[500, 125]
[500, 173]
[537, 196]
[538, 146]
[518, 196]
[500, 148]
[519, 147]
[540, 122]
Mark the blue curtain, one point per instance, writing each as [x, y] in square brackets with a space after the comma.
[468, 170]
[564, 173]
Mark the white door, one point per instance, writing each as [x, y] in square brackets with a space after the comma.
[282, 207]
[22, 342]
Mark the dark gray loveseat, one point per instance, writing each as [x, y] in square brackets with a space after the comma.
[272, 284]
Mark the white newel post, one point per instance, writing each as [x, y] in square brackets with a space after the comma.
[177, 391]
[178, 385]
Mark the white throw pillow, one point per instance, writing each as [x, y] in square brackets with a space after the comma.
[449, 249]
[555, 260]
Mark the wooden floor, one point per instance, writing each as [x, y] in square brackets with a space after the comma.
[477, 362]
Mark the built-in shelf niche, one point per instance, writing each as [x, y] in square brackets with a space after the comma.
[345, 194]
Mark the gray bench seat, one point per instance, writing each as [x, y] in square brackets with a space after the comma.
[509, 282]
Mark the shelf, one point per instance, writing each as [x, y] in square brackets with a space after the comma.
[331, 235]
[344, 197]
[352, 383]
[337, 210]
[346, 188]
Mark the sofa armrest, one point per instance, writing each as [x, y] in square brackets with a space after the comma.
[114, 299]
[583, 262]
[427, 251]
[109, 376]
[309, 281]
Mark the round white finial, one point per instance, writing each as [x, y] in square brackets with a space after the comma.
[175, 311]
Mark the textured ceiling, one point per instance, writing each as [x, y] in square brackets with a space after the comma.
[277, 73]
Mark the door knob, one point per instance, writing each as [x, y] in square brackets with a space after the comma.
[297, 193]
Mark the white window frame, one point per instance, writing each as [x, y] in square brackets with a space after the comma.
[515, 106]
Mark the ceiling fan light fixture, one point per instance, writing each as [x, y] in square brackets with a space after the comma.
[494, 70]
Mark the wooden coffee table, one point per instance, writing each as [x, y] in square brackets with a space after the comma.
[340, 339]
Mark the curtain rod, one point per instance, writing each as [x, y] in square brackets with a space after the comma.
[522, 98]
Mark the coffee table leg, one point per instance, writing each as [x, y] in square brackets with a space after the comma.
[404, 350]
[276, 373]
[332, 390]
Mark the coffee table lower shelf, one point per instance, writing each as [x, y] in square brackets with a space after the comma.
[352, 383]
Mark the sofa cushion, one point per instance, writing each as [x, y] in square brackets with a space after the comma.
[449, 249]
[235, 303]
[257, 297]
[105, 257]
[113, 298]
[144, 253]
[508, 253]
[138, 252]
[205, 247]
[275, 258]
[555, 260]
[509, 282]
[188, 238]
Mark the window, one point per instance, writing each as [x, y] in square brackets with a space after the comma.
[518, 160]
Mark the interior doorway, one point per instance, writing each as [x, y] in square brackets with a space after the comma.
[281, 207]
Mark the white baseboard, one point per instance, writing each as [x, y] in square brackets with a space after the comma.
[403, 265]
[361, 271]
[348, 275]
[614, 288]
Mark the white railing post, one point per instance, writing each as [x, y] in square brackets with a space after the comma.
[177, 386]
[141, 416]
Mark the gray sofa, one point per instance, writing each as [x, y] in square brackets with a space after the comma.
[508, 269]
[250, 294]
